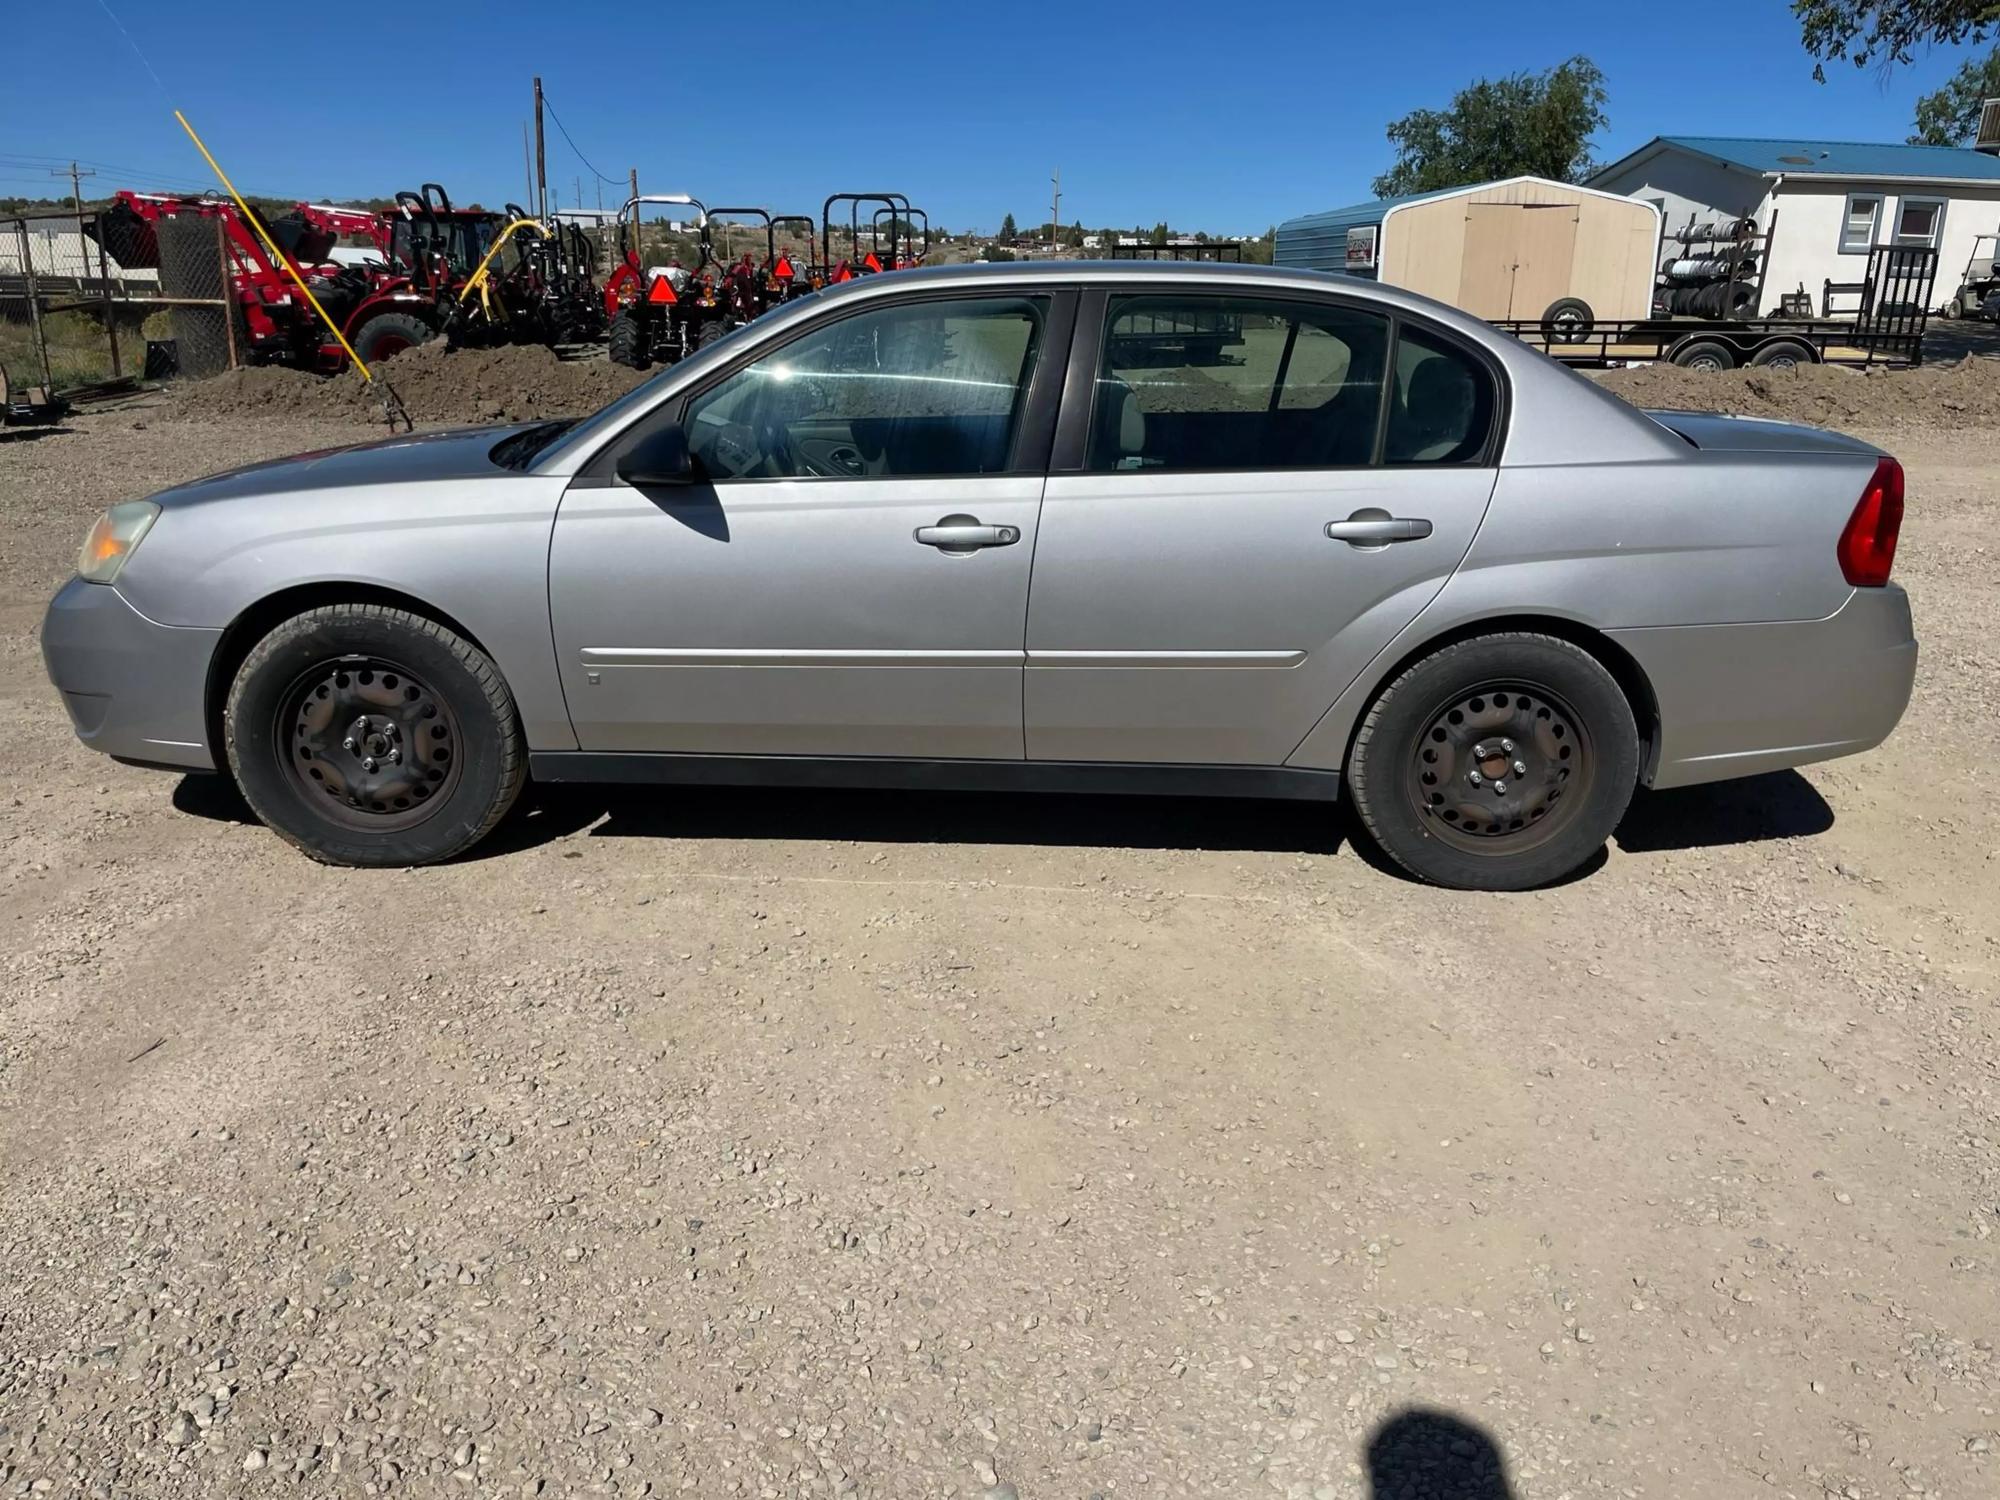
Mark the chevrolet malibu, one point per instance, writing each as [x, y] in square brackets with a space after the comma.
[1062, 527]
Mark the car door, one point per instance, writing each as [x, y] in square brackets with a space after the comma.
[848, 574]
[1242, 511]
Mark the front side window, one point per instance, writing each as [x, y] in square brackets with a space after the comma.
[1207, 382]
[1918, 222]
[1857, 226]
[932, 389]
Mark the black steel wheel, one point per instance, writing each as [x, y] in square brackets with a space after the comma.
[1498, 763]
[373, 739]
[367, 735]
[1782, 354]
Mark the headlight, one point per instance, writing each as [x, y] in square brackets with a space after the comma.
[116, 535]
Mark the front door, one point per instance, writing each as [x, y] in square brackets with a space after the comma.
[1244, 526]
[849, 575]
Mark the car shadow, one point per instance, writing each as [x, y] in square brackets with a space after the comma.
[1780, 805]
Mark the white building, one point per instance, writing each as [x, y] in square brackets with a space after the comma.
[1826, 204]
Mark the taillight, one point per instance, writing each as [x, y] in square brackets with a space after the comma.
[1868, 543]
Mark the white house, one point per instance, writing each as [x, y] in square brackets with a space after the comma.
[1825, 203]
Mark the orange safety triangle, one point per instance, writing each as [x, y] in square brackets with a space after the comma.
[662, 292]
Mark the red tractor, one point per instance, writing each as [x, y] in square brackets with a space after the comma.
[662, 312]
[427, 249]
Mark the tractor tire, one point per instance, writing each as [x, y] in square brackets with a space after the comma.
[388, 334]
[707, 332]
[630, 346]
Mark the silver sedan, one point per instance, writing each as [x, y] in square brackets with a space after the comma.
[1063, 527]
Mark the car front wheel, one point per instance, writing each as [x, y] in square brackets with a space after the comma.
[368, 735]
[1500, 763]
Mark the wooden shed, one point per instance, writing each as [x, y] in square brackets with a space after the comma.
[1513, 249]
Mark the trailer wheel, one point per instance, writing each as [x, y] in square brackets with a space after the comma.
[1568, 318]
[629, 345]
[1783, 354]
[388, 334]
[1703, 354]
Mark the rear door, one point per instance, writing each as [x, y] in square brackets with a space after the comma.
[1189, 603]
[850, 575]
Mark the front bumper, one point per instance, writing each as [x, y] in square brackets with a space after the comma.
[1738, 700]
[134, 689]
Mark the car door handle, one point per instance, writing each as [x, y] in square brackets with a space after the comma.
[955, 535]
[1374, 528]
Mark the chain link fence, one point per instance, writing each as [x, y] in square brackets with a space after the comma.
[97, 297]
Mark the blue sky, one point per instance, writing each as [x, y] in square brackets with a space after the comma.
[1224, 117]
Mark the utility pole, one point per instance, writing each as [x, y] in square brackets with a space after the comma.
[76, 177]
[1055, 210]
[576, 185]
[541, 158]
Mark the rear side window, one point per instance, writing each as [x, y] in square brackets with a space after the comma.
[1207, 382]
[1440, 403]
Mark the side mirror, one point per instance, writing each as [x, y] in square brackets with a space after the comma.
[660, 457]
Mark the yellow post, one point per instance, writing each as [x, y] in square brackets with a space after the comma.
[278, 255]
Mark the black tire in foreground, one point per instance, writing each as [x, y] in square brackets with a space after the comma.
[629, 344]
[366, 735]
[389, 334]
[1500, 763]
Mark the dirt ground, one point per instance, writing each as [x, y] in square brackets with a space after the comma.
[806, 1144]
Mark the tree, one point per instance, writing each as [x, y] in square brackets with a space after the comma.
[1007, 229]
[1526, 123]
[1159, 234]
[1887, 34]
[1075, 238]
[1950, 117]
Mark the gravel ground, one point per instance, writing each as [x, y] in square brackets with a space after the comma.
[756, 1144]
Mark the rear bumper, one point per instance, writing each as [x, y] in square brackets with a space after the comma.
[1738, 700]
[134, 689]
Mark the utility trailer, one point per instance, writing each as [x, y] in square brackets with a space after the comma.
[1886, 329]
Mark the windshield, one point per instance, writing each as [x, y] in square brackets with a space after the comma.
[519, 449]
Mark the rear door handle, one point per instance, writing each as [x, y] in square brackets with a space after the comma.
[1375, 528]
[963, 534]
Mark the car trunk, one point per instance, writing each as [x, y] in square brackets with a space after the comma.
[1713, 431]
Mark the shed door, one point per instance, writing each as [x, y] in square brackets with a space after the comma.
[1517, 258]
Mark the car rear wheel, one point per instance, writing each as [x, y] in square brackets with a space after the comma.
[366, 735]
[1500, 763]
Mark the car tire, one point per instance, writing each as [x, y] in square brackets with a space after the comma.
[388, 334]
[1565, 775]
[367, 735]
[1704, 354]
[1568, 318]
[629, 345]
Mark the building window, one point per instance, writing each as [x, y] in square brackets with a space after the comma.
[1858, 223]
[1920, 222]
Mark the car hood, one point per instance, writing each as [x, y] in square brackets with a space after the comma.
[456, 453]
[1712, 430]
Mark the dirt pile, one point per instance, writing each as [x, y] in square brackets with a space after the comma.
[436, 384]
[1963, 394]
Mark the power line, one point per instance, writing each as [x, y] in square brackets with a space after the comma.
[572, 144]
